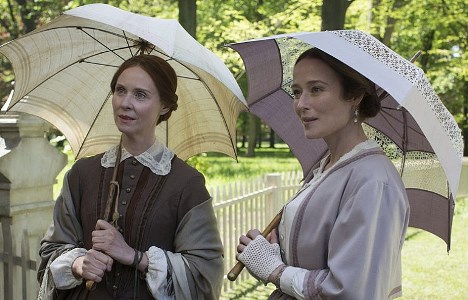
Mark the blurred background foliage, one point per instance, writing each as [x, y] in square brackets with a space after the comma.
[437, 28]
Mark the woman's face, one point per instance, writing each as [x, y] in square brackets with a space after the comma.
[319, 101]
[136, 104]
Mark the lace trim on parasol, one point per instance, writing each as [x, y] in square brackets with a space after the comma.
[413, 74]
[419, 170]
[290, 49]
[158, 158]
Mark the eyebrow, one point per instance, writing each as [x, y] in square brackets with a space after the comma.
[137, 89]
[143, 90]
[311, 82]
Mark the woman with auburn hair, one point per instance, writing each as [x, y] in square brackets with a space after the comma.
[163, 241]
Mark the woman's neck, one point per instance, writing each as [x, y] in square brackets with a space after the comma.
[342, 145]
[136, 146]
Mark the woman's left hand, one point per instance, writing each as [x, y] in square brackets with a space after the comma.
[259, 255]
[106, 238]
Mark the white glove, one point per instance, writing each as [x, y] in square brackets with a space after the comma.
[261, 258]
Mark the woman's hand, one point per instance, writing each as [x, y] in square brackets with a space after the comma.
[261, 256]
[92, 265]
[244, 240]
[107, 239]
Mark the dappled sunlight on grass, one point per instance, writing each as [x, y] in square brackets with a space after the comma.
[429, 272]
[219, 169]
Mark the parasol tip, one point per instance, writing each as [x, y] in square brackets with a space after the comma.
[413, 59]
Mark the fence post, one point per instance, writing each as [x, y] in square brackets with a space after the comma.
[25, 254]
[274, 201]
[7, 258]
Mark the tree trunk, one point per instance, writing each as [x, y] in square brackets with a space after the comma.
[188, 16]
[259, 133]
[333, 14]
[272, 138]
[391, 21]
[26, 16]
[464, 123]
[427, 38]
[252, 136]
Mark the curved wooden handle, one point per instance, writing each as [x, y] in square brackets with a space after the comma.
[90, 285]
[235, 271]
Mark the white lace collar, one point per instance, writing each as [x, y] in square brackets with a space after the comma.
[158, 158]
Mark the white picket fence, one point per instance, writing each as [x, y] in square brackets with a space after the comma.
[243, 205]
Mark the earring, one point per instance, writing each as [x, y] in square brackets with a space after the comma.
[356, 115]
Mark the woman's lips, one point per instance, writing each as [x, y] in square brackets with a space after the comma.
[126, 118]
[308, 120]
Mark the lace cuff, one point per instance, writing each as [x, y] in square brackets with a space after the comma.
[157, 273]
[61, 269]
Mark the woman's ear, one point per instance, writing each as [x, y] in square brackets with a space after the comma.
[164, 111]
[357, 100]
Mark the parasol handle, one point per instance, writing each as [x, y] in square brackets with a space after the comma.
[90, 285]
[235, 271]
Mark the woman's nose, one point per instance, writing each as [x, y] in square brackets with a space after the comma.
[127, 101]
[302, 102]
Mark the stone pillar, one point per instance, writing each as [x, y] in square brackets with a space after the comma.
[29, 166]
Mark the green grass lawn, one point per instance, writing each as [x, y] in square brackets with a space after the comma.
[429, 272]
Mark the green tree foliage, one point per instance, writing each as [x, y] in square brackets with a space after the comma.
[439, 28]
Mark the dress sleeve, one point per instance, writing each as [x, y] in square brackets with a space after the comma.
[365, 243]
[156, 277]
[61, 269]
[292, 282]
[196, 265]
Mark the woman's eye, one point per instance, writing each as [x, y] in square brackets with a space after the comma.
[120, 90]
[140, 95]
[296, 93]
[315, 89]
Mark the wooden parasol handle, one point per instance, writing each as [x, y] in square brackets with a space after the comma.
[235, 271]
[90, 285]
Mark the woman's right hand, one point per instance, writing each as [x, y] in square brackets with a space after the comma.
[92, 266]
